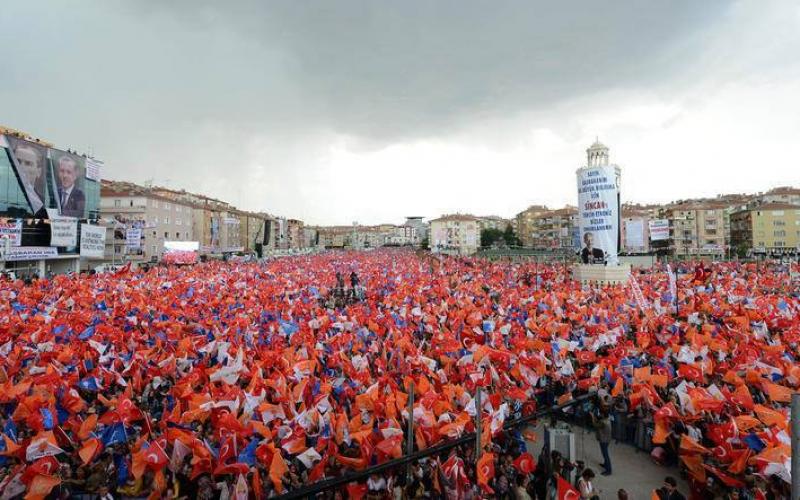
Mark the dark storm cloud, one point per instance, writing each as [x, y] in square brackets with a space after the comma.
[207, 93]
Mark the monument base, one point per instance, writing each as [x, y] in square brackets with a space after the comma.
[595, 273]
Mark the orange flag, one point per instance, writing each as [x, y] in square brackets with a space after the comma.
[11, 446]
[694, 464]
[619, 386]
[690, 446]
[41, 486]
[661, 433]
[485, 472]
[777, 392]
[90, 450]
[276, 471]
[87, 426]
[770, 416]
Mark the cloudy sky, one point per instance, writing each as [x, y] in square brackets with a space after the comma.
[368, 111]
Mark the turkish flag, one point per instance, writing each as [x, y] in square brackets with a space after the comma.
[566, 491]
[525, 463]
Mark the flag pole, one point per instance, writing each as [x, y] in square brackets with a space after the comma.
[478, 414]
[795, 446]
[410, 431]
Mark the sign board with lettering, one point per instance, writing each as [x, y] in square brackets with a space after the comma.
[30, 253]
[598, 213]
[93, 241]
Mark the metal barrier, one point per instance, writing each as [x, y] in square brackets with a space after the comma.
[327, 484]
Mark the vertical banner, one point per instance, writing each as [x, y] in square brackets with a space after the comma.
[93, 169]
[133, 238]
[69, 174]
[12, 230]
[30, 162]
[63, 232]
[634, 234]
[598, 214]
[93, 241]
[673, 283]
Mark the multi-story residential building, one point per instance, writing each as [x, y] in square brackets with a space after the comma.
[156, 218]
[493, 222]
[416, 230]
[698, 229]
[556, 229]
[526, 222]
[294, 233]
[784, 194]
[768, 228]
[252, 231]
[457, 234]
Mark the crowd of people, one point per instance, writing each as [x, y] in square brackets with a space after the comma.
[239, 380]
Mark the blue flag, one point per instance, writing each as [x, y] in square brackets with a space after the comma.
[114, 434]
[89, 384]
[248, 455]
[47, 418]
[88, 333]
[754, 442]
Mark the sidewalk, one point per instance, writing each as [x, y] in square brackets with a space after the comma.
[634, 471]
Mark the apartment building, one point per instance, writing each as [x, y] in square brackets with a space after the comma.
[457, 234]
[698, 229]
[138, 211]
[526, 222]
[556, 229]
[769, 228]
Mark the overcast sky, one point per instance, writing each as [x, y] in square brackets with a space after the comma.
[368, 111]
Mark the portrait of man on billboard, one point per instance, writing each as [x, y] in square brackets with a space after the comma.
[590, 254]
[31, 163]
[69, 172]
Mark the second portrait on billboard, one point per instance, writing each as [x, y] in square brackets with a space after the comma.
[69, 172]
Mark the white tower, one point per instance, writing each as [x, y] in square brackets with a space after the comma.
[597, 155]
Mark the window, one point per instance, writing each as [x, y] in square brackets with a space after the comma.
[155, 221]
[177, 208]
[777, 213]
[187, 235]
[166, 220]
[779, 233]
[154, 234]
[166, 235]
[131, 202]
[177, 235]
[153, 249]
[778, 223]
[117, 203]
[177, 222]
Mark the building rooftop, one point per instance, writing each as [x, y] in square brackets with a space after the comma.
[456, 217]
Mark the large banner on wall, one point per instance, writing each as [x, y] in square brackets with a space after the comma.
[93, 241]
[133, 238]
[93, 169]
[30, 162]
[598, 214]
[69, 174]
[634, 233]
[659, 229]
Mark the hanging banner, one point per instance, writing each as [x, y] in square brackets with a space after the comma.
[659, 229]
[93, 241]
[70, 188]
[15, 254]
[93, 168]
[12, 230]
[30, 162]
[133, 238]
[598, 213]
[63, 232]
[673, 282]
[634, 234]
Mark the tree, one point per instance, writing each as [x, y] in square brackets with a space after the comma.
[425, 243]
[489, 236]
[511, 237]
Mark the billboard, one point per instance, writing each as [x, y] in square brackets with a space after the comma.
[180, 252]
[69, 172]
[63, 232]
[598, 214]
[634, 233]
[93, 168]
[30, 162]
[30, 253]
[659, 229]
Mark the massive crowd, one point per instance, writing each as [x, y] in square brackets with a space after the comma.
[245, 380]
